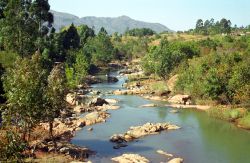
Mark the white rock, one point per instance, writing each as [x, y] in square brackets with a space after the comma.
[164, 153]
[130, 158]
[176, 160]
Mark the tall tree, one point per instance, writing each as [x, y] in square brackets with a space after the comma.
[225, 25]
[101, 48]
[23, 22]
[84, 33]
[54, 95]
[199, 25]
[24, 87]
[71, 38]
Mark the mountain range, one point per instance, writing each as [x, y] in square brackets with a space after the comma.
[118, 24]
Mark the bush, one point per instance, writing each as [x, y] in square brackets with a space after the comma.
[11, 147]
[162, 60]
[221, 77]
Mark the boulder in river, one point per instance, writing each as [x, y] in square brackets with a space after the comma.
[164, 153]
[174, 111]
[95, 117]
[130, 158]
[95, 92]
[148, 105]
[112, 79]
[111, 101]
[140, 131]
[90, 129]
[176, 160]
[97, 102]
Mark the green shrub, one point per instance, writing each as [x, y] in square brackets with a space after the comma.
[11, 147]
[224, 78]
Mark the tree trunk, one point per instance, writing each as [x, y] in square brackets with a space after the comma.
[24, 132]
[51, 133]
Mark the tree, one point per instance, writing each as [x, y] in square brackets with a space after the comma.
[81, 67]
[54, 96]
[199, 25]
[225, 25]
[3, 4]
[161, 60]
[101, 48]
[103, 31]
[24, 87]
[84, 33]
[71, 39]
[23, 23]
[140, 32]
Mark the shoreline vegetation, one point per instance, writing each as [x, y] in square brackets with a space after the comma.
[46, 77]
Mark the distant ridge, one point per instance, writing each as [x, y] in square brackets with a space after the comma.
[117, 24]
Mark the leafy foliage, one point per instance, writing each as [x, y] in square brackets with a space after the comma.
[53, 95]
[101, 48]
[221, 77]
[23, 24]
[11, 147]
[210, 27]
[24, 84]
[161, 60]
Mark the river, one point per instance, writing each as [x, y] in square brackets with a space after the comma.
[201, 139]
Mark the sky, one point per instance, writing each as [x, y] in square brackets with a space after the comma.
[175, 14]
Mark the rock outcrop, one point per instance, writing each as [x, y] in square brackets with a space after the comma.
[180, 99]
[131, 92]
[140, 131]
[70, 125]
[112, 79]
[130, 158]
[94, 117]
[176, 160]
[172, 82]
[111, 101]
[97, 102]
[164, 153]
[148, 105]
[71, 99]
[63, 147]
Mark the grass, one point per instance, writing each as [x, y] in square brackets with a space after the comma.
[244, 122]
[228, 114]
[158, 86]
[43, 157]
[133, 78]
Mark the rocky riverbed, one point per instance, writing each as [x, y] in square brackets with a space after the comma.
[71, 120]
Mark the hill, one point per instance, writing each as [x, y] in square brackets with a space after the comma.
[117, 24]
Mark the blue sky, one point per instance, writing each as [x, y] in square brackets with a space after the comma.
[175, 14]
